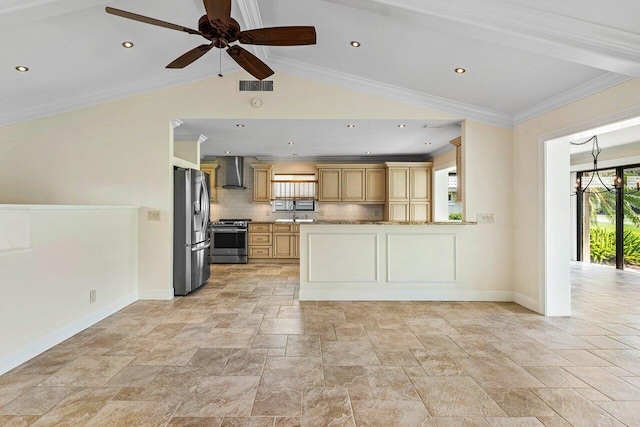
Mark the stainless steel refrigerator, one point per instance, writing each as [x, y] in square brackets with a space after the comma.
[190, 230]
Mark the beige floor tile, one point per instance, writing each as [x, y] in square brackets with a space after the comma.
[403, 357]
[520, 402]
[285, 402]
[230, 338]
[583, 358]
[394, 339]
[270, 341]
[220, 396]
[326, 407]
[195, 422]
[436, 363]
[460, 422]
[390, 413]
[36, 401]
[12, 386]
[627, 412]
[354, 353]
[77, 408]
[292, 372]
[390, 383]
[574, 408]
[606, 383]
[555, 421]
[87, 371]
[282, 326]
[354, 378]
[530, 354]
[554, 376]
[606, 343]
[498, 373]
[246, 362]
[17, 420]
[303, 346]
[134, 376]
[455, 397]
[514, 422]
[624, 359]
[118, 413]
[350, 332]
[248, 422]
[288, 422]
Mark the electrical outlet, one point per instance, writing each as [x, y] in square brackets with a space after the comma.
[485, 218]
[92, 296]
[153, 215]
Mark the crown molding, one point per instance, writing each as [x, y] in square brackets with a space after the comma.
[112, 93]
[250, 11]
[345, 159]
[583, 90]
[526, 28]
[393, 93]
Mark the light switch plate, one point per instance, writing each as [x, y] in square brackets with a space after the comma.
[153, 215]
[485, 218]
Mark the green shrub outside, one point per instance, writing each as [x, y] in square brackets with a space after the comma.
[603, 245]
[455, 216]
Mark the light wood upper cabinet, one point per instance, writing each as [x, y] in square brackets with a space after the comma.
[329, 185]
[375, 185]
[419, 184]
[398, 181]
[262, 174]
[408, 191]
[353, 185]
[210, 169]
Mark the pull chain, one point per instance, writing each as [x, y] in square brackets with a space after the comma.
[220, 73]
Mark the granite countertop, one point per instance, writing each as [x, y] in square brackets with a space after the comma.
[365, 222]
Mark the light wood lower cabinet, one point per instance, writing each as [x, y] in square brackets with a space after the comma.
[276, 241]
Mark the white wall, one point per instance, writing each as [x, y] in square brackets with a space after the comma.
[119, 152]
[45, 288]
[619, 102]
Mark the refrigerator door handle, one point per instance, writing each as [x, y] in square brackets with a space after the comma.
[200, 246]
[206, 200]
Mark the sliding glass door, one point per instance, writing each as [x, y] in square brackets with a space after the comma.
[609, 217]
[631, 218]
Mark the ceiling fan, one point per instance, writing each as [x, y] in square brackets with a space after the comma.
[221, 30]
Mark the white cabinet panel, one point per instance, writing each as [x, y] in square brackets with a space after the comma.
[421, 258]
[339, 258]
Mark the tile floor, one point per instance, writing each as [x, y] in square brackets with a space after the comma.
[243, 351]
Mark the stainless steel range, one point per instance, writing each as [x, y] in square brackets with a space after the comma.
[229, 241]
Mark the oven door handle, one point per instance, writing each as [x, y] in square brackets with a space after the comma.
[229, 230]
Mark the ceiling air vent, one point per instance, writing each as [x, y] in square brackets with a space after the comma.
[255, 86]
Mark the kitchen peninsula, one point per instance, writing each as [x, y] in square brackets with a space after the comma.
[394, 261]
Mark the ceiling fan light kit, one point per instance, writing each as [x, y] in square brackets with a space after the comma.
[222, 30]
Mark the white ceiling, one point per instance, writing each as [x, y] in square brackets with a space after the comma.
[523, 57]
[320, 139]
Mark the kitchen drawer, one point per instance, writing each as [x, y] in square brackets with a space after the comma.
[260, 252]
[283, 228]
[259, 228]
[260, 239]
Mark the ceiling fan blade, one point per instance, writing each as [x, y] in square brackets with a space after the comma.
[250, 62]
[190, 56]
[279, 36]
[152, 21]
[219, 13]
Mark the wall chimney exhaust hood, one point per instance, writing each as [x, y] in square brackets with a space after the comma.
[234, 167]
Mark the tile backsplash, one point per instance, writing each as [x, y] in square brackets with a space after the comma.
[236, 203]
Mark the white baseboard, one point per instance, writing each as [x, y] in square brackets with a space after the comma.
[402, 295]
[155, 294]
[33, 349]
[526, 301]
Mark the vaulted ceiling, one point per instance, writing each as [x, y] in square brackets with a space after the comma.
[523, 57]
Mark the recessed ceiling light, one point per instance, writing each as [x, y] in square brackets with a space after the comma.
[227, 152]
[402, 126]
[240, 125]
[128, 45]
[22, 68]
[294, 154]
[351, 126]
[355, 43]
[368, 152]
[427, 143]
[460, 70]
[292, 143]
